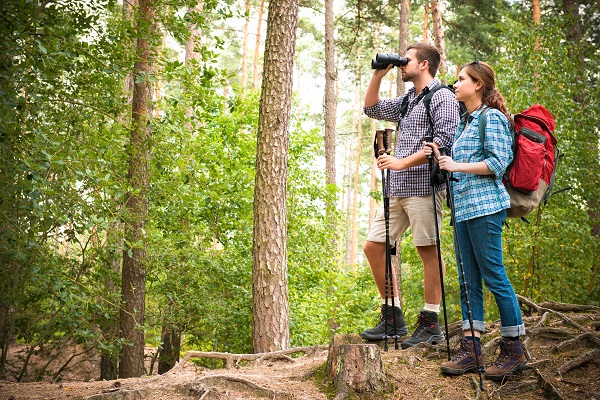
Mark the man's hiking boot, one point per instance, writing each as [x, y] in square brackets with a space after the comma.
[465, 361]
[427, 331]
[511, 359]
[379, 331]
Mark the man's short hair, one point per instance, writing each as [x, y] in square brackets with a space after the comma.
[429, 52]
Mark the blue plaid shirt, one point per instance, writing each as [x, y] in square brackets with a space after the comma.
[478, 195]
[412, 129]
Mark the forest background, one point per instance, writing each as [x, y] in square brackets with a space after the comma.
[128, 145]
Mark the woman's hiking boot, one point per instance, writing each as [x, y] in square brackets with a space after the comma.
[394, 314]
[465, 360]
[510, 360]
[427, 331]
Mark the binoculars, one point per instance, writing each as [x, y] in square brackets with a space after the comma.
[382, 60]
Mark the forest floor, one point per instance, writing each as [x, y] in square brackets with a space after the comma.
[562, 345]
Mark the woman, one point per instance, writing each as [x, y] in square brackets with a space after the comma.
[480, 203]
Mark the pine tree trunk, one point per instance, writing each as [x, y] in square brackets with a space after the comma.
[425, 36]
[195, 35]
[403, 41]
[255, 82]
[245, 46]
[136, 206]
[270, 325]
[439, 37]
[330, 99]
[537, 14]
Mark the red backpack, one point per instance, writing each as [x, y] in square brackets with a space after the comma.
[530, 176]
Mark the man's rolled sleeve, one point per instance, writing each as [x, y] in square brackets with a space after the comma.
[385, 110]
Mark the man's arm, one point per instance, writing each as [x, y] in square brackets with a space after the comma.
[372, 95]
[385, 161]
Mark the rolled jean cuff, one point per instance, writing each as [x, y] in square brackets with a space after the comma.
[477, 325]
[512, 331]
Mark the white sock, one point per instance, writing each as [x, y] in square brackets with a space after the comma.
[432, 308]
[396, 301]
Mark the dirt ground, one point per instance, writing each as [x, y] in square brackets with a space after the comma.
[412, 373]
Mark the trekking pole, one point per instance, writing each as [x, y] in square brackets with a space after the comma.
[462, 274]
[438, 242]
[383, 146]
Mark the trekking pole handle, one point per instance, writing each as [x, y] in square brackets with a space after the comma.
[429, 139]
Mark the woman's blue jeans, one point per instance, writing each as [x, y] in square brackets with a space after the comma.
[480, 245]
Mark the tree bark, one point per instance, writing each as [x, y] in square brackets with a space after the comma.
[537, 18]
[136, 206]
[245, 47]
[403, 41]
[425, 35]
[355, 367]
[195, 35]
[169, 352]
[257, 46]
[330, 98]
[270, 325]
[355, 175]
[438, 33]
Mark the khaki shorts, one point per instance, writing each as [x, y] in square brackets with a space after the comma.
[413, 212]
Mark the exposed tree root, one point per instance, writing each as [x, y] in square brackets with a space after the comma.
[590, 356]
[231, 359]
[550, 333]
[540, 309]
[553, 305]
[547, 386]
[583, 340]
[202, 386]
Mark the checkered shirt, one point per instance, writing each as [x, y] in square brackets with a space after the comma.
[412, 129]
[478, 195]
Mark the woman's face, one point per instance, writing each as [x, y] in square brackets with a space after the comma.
[465, 88]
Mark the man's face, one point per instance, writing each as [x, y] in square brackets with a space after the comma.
[413, 69]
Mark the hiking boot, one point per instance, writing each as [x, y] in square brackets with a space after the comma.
[379, 331]
[511, 359]
[465, 361]
[427, 331]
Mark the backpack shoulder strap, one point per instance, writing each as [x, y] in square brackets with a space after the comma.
[404, 106]
[481, 122]
[427, 102]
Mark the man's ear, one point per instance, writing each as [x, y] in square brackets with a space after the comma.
[425, 65]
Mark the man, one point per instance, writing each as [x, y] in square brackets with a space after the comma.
[410, 188]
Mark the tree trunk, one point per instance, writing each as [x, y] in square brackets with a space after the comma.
[257, 46]
[425, 36]
[355, 368]
[169, 352]
[136, 205]
[537, 19]
[356, 174]
[330, 99]
[195, 35]
[109, 362]
[245, 47]
[438, 32]
[270, 324]
[403, 41]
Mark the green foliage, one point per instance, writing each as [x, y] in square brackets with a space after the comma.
[558, 247]
[64, 127]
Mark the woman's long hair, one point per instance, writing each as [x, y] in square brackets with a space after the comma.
[490, 96]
